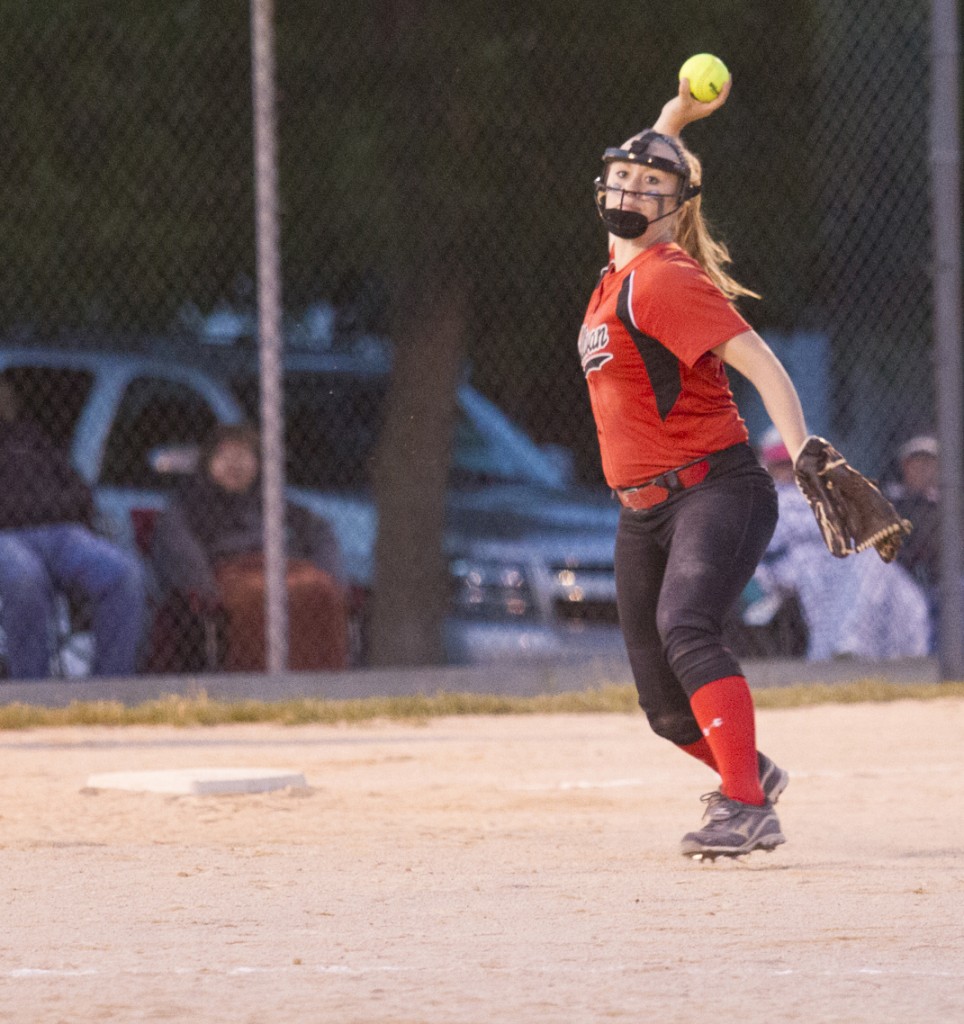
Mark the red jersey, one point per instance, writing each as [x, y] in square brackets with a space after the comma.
[660, 397]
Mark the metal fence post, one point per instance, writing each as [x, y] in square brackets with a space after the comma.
[946, 184]
[269, 331]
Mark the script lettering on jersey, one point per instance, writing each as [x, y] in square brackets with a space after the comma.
[591, 348]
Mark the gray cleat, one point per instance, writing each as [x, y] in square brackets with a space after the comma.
[732, 828]
[773, 779]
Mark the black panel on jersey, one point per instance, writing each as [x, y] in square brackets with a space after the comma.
[662, 366]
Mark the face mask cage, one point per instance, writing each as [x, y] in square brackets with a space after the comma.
[629, 223]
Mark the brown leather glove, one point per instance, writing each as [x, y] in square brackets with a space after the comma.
[851, 510]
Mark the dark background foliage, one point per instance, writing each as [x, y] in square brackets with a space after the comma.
[420, 139]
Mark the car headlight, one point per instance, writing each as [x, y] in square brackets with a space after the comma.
[491, 590]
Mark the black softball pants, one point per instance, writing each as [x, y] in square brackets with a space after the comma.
[680, 569]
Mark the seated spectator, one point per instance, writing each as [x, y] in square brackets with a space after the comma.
[853, 607]
[47, 546]
[915, 497]
[208, 554]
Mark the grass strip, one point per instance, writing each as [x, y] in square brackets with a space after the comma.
[201, 710]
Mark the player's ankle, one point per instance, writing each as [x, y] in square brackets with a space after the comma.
[747, 793]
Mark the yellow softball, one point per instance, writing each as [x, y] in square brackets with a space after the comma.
[707, 75]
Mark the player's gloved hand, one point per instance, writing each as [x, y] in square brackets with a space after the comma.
[851, 511]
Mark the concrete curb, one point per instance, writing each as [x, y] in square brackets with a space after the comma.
[518, 680]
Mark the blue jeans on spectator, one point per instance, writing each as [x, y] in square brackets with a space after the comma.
[38, 561]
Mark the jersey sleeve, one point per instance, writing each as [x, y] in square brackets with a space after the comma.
[681, 308]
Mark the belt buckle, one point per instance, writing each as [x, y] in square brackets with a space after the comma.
[670, 481]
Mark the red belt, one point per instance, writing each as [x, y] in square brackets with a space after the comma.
[657, 490]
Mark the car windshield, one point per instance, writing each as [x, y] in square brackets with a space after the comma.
[333, 421]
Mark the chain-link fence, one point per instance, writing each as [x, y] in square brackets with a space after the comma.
[435, 163]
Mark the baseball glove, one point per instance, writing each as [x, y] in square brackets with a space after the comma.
[851, 511]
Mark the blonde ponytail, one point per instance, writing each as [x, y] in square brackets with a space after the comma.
[693, 235]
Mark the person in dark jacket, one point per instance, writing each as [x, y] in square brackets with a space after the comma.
[208, 550]
[47, 546]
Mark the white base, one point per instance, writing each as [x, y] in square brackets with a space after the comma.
[199, 781]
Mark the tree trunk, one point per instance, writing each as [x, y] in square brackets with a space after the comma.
[411, 577]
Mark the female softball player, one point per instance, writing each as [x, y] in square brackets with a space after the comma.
[698, 508]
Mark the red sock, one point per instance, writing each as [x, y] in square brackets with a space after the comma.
[724, 711]
[701, 751]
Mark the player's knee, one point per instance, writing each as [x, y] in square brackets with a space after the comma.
[682, 638]
[676, 727]
[690, 649]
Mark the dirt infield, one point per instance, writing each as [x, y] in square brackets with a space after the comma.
[519, 869]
